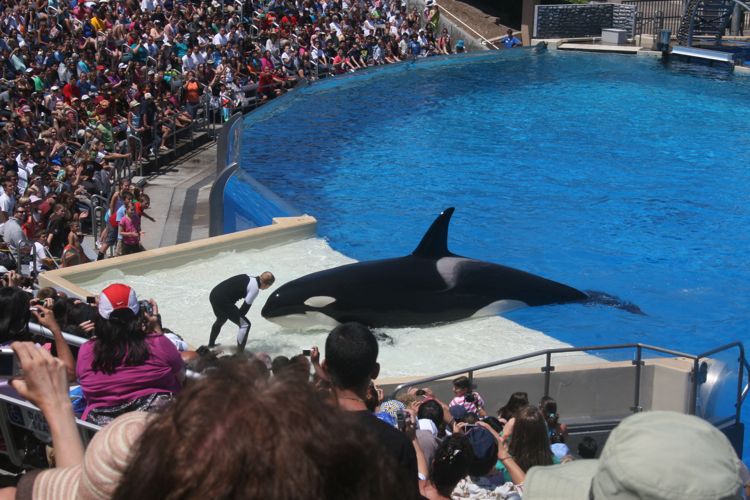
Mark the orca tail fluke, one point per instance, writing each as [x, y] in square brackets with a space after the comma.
[606, 299]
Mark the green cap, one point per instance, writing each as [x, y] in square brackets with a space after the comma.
[652, 455]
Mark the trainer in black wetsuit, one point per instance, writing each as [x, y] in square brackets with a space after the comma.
[224, 297]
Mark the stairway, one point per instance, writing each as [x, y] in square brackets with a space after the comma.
[704, 18]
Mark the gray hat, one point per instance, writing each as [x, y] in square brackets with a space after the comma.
[651, 455]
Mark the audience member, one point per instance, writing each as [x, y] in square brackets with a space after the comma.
[465, 395]
[558, 432]
[449, 465]
[655, 454]
[529, 443]
[350, 363]
[484, 480]
[129, 364]
[16, 310]
[516, 401]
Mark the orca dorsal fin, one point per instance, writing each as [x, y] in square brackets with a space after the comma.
[435, 241]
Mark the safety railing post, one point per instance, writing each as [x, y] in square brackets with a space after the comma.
[694, 387]
[740, 377]
[19, 262]
[547, 369]
[638, 362]
[94, 221]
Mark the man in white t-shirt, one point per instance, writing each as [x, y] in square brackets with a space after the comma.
[25, 170]
[220, 38]
[7, 201]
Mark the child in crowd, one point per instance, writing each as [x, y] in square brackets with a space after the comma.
[463, 395]
[558, 432]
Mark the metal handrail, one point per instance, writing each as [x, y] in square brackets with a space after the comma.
[548, 368]
[744, 367]
[71, 339]
[534, 354]
[139, 152]
[100, 204]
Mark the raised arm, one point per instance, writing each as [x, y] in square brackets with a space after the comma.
[517, 475]
[45, 384]
[46, 318]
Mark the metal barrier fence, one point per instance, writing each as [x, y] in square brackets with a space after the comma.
[743, 370]
[655, 15]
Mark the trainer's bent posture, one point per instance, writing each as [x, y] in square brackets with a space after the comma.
[224, 297]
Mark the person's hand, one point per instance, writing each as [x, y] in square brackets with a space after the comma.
[44, 381]
[463, 427]
[153, 322]
[508, 428]
[45, 317]
[315, 355]
[87, 326]
[410, 424]
[11, 279]
[503, 440]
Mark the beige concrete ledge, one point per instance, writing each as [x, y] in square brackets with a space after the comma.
[610, 49]
[283, 230]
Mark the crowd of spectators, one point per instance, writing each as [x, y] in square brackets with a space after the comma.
[242, 421]
[92, 88]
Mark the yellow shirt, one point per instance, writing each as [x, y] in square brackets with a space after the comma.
[97, 23]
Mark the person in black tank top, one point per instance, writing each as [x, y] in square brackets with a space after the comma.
[224, 299]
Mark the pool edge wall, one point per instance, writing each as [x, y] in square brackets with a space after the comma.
[282, 230]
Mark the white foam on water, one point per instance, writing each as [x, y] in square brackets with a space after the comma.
[182, 296]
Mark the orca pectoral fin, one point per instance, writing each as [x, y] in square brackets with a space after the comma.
[499, 307]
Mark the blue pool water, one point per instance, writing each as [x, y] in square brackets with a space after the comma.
[610, 173]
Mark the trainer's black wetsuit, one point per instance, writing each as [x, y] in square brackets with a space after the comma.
[224, 297]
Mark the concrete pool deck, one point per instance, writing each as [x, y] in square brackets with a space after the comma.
[179, 199]
[641, 46]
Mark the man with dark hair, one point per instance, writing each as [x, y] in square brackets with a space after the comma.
[351, 357]
[432, 410]
[351, 362]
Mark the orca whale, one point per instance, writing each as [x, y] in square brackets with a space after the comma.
[431, 285]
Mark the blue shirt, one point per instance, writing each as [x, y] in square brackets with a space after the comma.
[414, 47]
[180, 48]
[511, 41]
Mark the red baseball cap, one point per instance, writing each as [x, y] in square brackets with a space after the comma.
[117, 297]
